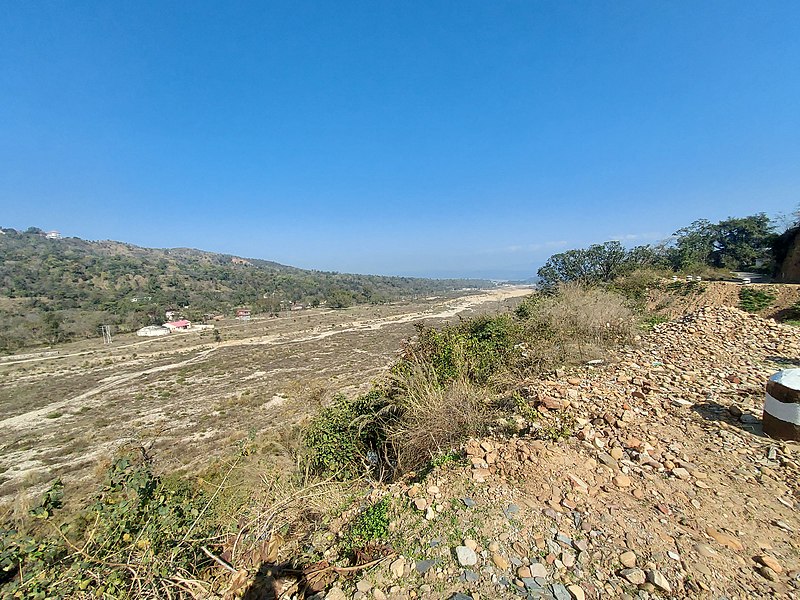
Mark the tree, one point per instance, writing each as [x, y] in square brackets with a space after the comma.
[735, 243]
[693, 245]
[744, 243]
[599, 262]
[339, 298]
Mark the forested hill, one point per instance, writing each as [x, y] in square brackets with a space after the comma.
[54, 290]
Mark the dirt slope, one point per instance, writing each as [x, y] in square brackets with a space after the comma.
[678, 299]
[665, 485]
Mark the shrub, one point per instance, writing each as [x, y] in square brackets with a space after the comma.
[754, 299]
[636, 285]
[474, 349]
[434, 418]
[575, 324]
[370, 525]
[140, 531]
[438, 393]
[342, 434]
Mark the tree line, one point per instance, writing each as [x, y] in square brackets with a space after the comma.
[734, 244]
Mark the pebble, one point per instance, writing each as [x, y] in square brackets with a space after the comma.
[622, 481]
[538, 570]
[769, 561]
[500, 561]
[466, 556]
[705, 550]
[577, 592]
[628, 559]
[335, 593]
[634, 576]
[560, 592]
[658, 580]
[725, 540]
[423, 566]
[681, 473]
[784, 526]
[398, 567]
[470, 576]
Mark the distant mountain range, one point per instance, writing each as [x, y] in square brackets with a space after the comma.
[54, 289]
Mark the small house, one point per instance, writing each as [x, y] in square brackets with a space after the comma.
[183, 324]
[243, 314]
[152, 331]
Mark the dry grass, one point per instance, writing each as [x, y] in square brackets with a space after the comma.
[588, 316]
[435, 417]
[575, 324]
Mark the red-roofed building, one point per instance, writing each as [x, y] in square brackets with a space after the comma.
[182, 324]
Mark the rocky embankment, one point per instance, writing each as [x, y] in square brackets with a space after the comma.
[665, 485]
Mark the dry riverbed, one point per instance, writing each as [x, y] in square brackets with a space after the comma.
[193, 398]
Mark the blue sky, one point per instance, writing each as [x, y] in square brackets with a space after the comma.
[422, 138]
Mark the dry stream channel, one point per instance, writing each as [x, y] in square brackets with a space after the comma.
[192, 398]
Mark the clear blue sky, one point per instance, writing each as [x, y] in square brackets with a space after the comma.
[424, 138]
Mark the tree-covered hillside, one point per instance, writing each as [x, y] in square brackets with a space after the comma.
[54, 290]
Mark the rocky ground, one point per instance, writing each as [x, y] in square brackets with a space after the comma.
[645, 476]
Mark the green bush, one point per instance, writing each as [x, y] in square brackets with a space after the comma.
[340, 436]
[370, 525]
[139, 532]
[754, 299]
[791, 315]
[439, 392]
[636, 285]
[474, 349]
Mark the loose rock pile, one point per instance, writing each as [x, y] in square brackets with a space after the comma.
[665, 485]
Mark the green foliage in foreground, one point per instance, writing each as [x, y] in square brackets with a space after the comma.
[370, 525]
[342, 434]
[754, 299]
[140, 531]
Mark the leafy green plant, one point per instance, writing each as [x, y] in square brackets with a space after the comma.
[51, 501]
[370, 525]
[650, 321]
[339, 438]
[138, 533]
[474, 349]
[558, 428]
[754, 299]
